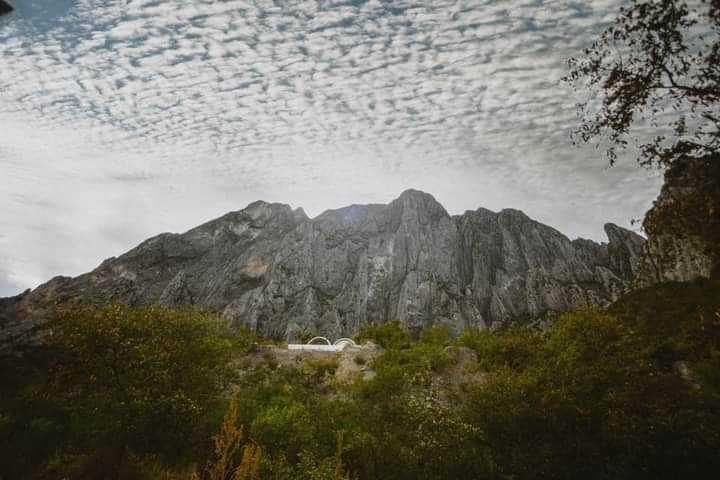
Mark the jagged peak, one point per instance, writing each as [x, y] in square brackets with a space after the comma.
[514, 213]
[355, 213]
[411, 198]
[262, 209]
[258, 210]
[482, 211]
[478, 216]
[421, 201]
[263, 204]
[300, 214]
[394, 260]
[416, 195]
[618, 234]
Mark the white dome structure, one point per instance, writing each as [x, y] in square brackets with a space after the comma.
[323, 344]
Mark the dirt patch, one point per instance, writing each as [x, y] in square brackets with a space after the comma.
[352, 362]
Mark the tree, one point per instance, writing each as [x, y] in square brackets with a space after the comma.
[138, 378]
[232, 460]
[654, 80]
[658, 65]
[5, 8]
[595, 397]
[393, 334]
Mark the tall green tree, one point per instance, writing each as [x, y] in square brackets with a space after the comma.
[138, 378]
[652, 80]
[595, 397]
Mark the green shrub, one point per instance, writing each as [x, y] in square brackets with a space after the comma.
[627, 393]
[136, 380]
[514, 348]
[438, 335]
[391, 335]
[321, 367]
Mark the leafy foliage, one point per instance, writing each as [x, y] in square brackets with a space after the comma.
[513, 350]
[135, 380]
[658, 64]
[590, 402]
[232, 460]
[128, 374]
[632, 392]
[657, 69]
[679, 323]
[393, 334]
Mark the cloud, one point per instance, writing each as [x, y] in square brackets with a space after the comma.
[121, 119]
[8, 285]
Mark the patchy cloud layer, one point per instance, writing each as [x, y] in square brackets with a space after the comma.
[121, 119]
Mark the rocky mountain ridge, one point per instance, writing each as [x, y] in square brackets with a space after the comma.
[285, 275]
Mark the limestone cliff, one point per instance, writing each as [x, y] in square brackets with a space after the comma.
[283, 274]
[683, 225]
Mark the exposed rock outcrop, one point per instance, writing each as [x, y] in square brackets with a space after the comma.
[673, 258]
[279, 272]
[683, 225]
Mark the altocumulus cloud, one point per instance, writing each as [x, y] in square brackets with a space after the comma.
[121, 119]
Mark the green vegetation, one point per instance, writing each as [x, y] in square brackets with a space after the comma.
[134, 393]
[393, 334]
[113, 383]
[588, 399]
[630, 392]
[658, 64]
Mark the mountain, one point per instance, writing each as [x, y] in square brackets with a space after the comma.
[285, 275]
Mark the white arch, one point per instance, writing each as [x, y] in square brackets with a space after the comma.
[344, 342]
[339, 345]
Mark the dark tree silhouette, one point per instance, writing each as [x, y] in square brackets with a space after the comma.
[5, 8]
[658, 65]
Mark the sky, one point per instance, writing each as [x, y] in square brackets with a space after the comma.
[122, 119]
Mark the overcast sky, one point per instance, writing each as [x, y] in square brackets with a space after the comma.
[121, 119]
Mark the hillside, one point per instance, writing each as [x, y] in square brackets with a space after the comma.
[139, 393]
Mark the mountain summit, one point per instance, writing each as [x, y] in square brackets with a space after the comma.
[285, 275]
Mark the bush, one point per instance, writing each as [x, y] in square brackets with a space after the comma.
[587, 398]
[627, 393]
[391, 335]
[514, 348]
[139, 381]
[321, 367]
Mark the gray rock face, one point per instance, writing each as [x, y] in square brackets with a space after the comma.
[673, 258]
[277, 271]
[684, 225]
